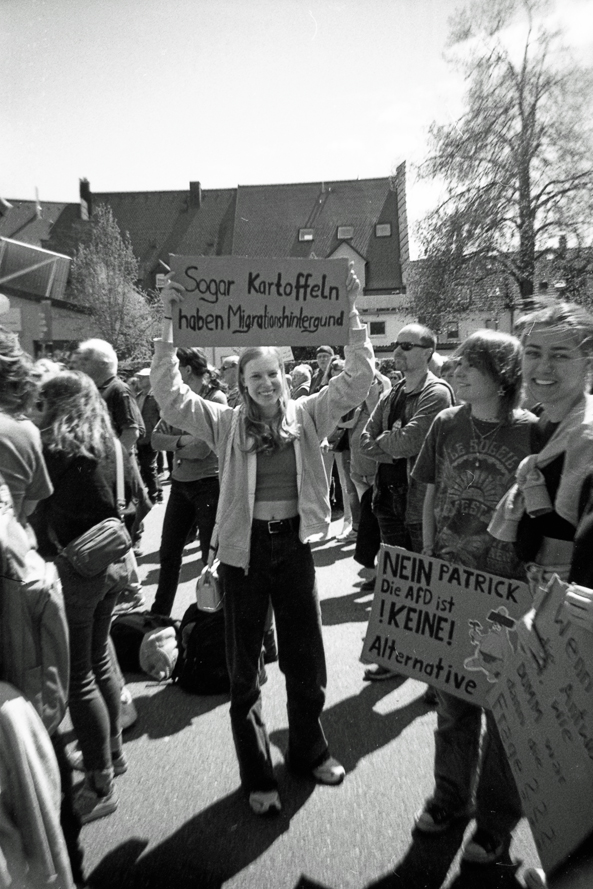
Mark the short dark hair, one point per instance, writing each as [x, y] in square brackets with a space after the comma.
[195, 358]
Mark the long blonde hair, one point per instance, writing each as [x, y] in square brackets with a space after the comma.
[267, 435]
[75, 418]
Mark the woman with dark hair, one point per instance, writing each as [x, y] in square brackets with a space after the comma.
[79, 450]
[275, 504]
[468, 462]
[21, 462]
[194, 481]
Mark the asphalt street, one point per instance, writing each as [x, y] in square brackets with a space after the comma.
[182, 821]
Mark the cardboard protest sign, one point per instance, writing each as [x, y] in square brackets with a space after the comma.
[442, 623]
[544, 712]
[237, 301]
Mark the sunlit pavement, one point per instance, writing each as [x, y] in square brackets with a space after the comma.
[182, 821]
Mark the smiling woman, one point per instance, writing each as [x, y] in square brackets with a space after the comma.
[557, 362]
[275, 503]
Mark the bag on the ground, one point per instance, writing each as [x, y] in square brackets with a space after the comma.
[34, 642]
[95, 550]
[128, 632]
[201, 668]
[159, 652]
[209, 588]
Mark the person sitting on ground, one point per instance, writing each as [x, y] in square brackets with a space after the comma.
[275, 504]
[79, 451]
[467, 463]
[194, 483]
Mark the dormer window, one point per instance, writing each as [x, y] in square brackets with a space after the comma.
[345, 232]
[383, 230]
[306, 234]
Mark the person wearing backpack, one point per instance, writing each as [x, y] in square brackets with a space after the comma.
[274, 502]
[80, 453]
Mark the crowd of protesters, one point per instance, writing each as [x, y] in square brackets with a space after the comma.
[505, 420]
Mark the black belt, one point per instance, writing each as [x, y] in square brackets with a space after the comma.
[277, 526]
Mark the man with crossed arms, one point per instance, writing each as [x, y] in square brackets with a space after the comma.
[393, 436]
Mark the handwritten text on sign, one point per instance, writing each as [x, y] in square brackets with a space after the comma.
[233, 300]
[544, 712]
[442, 623]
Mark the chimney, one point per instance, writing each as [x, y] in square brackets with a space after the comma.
[562, 245]
[85, 198]
[195, 195]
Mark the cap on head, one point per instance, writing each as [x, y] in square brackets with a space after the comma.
[144, 372]
[326, 349]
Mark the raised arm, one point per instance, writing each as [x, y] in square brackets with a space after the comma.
[206, 420]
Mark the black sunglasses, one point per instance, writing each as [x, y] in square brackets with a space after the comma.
[407, 347]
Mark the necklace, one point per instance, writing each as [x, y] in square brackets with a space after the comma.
[478, 436]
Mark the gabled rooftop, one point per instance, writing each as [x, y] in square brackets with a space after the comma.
[292, 220]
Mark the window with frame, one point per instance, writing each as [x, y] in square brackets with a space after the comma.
[377, 328]
[306, 234]
[452, 330]
[383, 230]
[345, 232]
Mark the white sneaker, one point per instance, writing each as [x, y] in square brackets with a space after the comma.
[129, 714]
[535, 878]
[265, 802]
[329, 772]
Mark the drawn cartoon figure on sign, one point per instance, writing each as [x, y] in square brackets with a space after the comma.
[493, 646]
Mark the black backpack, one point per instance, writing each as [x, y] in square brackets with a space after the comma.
[201, 667]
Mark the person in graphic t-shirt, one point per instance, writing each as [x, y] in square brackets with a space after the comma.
[468, 463]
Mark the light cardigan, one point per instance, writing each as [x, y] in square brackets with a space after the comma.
[574, 439]
[315, 415]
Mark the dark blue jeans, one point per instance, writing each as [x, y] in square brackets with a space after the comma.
[281, 571]
[189, 503]
[463, 767]
[94, 689]
[389, 506]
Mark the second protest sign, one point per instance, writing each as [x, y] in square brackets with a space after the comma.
[442, 623]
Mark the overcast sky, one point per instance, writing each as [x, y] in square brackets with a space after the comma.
[150, 94]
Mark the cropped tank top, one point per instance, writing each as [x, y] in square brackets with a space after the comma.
[276, 475]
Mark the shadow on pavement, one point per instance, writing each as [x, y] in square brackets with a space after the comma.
[190, 569]
[429, 859]
[207, 850]
[354, 607]
[354, 729]
[169, 711]
[306, 883]
[330, 551]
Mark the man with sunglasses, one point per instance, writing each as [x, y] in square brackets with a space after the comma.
[393, 437]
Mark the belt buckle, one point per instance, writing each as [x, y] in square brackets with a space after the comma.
[275, 527]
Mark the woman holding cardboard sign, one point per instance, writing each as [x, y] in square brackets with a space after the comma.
[275, 504]
[468, 462]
